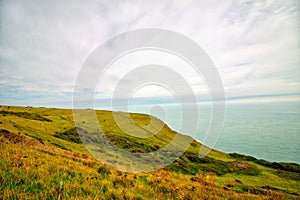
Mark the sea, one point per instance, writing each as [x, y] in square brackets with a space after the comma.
[265, 130]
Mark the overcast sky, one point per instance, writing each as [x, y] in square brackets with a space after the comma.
[255, 45]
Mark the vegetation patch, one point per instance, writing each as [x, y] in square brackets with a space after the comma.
[244, 168]
[286, 174]
[15, 138]
[71, 135]
[190, 163]
[241, 157]
[131, 144]
[25, 115]
[290, 167]
[35, 137]
[60, 146]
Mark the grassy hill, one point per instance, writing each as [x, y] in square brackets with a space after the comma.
[42, 157]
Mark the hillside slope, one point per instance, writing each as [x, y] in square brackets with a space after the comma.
[43, 157]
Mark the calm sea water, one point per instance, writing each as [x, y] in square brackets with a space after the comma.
[269, 130]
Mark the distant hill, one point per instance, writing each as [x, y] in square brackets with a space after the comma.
[42, 157]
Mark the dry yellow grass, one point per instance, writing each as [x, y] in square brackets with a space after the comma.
[30, 170]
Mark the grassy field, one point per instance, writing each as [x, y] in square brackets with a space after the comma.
[42, 157]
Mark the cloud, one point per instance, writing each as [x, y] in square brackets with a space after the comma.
[255, 45]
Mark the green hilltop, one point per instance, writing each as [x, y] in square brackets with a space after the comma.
[42, 157]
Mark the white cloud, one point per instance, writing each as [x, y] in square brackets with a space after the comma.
[255, 45]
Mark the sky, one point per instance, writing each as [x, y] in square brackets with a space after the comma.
[255, 45]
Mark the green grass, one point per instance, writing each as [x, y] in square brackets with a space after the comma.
[43, 157]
